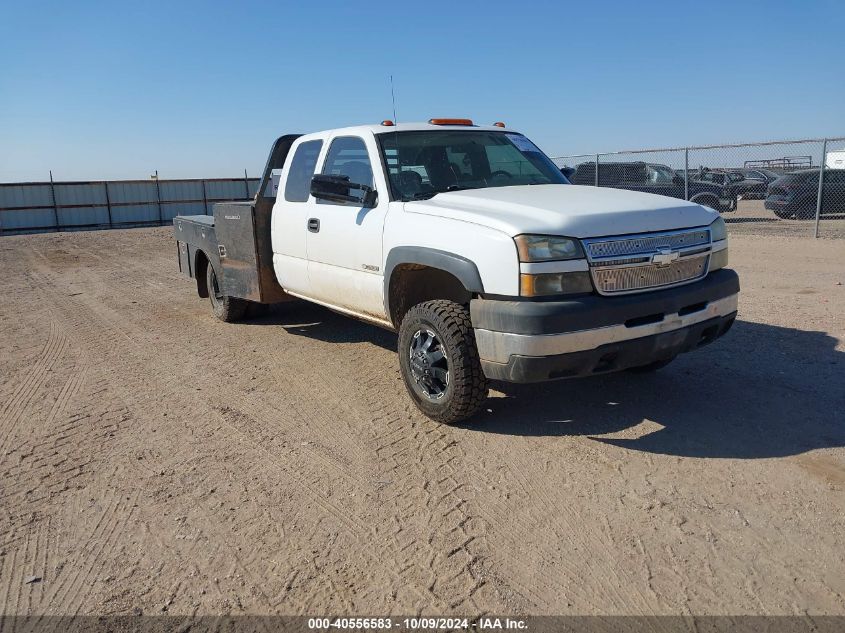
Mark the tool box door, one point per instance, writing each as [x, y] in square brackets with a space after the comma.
[234, 224]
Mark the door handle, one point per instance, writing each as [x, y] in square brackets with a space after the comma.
[314, 225]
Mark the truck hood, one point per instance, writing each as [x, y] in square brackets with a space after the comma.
[570, 210]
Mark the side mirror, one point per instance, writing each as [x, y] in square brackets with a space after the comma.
[678, 180]
[339, 189]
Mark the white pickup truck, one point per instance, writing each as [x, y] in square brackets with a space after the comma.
[470, 243]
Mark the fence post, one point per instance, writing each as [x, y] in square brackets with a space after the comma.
[55, 206]
[821, 186]
[246, 185]
[204, 197]
[108, 201]
[686, 173]
[158, 199]
[597, 170]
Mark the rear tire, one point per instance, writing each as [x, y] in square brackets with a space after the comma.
[651, 367]
[225, 308]
[439, 361]
[707, 201]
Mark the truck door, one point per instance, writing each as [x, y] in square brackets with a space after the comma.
[290, 215]
[344, 240]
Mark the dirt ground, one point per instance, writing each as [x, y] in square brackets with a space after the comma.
[153, 459]
[751, 216]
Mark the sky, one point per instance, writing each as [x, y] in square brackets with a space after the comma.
[97, 90]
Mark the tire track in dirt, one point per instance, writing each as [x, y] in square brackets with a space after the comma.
[451, 582]
[70, 591]
[102, 330]
[30, 386]
[435, 534]
[429, 500]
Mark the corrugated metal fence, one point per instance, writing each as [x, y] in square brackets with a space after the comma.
[36, 207]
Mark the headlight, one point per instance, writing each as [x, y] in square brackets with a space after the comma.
[718, 230]
[546, 248]
[719, 233]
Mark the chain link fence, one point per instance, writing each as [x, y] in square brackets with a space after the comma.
[780, 187]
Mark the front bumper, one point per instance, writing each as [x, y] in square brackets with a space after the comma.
[526, 341]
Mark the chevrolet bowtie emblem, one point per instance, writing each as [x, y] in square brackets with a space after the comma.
[664, 257]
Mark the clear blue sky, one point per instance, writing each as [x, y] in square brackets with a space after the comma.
[113, 90]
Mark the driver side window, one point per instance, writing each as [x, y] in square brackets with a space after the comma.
[347, 156]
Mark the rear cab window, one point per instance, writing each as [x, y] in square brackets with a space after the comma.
[302, 165]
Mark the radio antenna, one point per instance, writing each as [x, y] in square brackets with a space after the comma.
[393, 97]
[395, 136]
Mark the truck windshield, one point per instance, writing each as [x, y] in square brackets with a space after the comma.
[425, 163]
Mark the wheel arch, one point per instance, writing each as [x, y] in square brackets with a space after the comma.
[414, 274]
[201, 263]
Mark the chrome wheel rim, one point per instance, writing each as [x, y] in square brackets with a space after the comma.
[429, 364]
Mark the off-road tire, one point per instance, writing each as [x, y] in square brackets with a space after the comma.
[466, 391]
[225, 308]
[651, 367]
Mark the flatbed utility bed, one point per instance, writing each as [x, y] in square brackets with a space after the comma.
[235, 241]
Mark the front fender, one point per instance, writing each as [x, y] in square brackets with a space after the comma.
[462, 268]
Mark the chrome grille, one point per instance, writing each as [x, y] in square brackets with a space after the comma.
[631, 278]
[627, 263]
[647, 244]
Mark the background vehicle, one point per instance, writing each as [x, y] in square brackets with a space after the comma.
[835, 159]
[794, 195]
[472, 245]
[756, 182]
[655, 178]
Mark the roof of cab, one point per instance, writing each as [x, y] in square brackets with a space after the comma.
[378, 128]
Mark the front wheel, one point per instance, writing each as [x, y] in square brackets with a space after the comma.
[225, 308]
[439, 361]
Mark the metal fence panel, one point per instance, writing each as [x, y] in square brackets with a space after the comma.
[135, 214]
[30, 218]
[26, 195]
[80, 194]
[82, 216]
[128, 192]
[226, 189]
[181, 190]
[40, 206]
[171, 210]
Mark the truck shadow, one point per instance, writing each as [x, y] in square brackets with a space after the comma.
[302, 318]
[762, 391]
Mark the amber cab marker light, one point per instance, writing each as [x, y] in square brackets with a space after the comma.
[387, 122]
[450, 121]
[499, 124]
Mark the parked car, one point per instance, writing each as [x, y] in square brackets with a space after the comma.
[470, 243]
[734, 180]
[655, 178]
[795, 194]
[757, 182]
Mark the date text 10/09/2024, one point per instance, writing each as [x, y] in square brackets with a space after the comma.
[481, 624]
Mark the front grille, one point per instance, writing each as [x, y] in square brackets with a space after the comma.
[627, 263]
[647, 244]
[631, 278]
